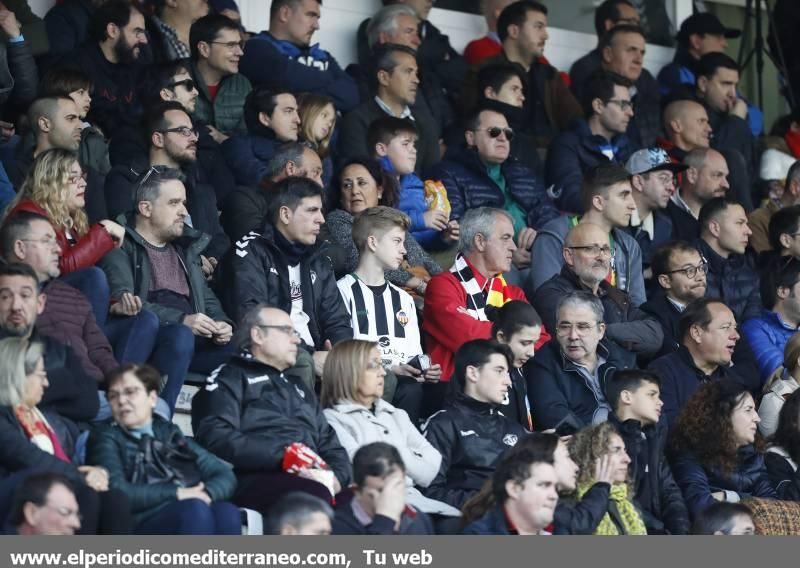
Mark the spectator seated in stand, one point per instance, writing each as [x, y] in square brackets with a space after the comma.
[271, 119]
[781, 458]
[567, 377]
[246, 208]
[383, 313]
[481, 173]
[351, 394]
[216, 46]
[168, 28]
[714, 449]
[159, 269]
[635, 397]
[392, 141]
[761, 219]
[597, 138]
[525, 491]
[287, 266]
[317, 125]
[705, 178]
[599, 451]
[779, 387]
[379, 504]
[481, 374]
[722, 518]
[610, 205]
[172, 144]
[266, 423]
[394, 79]
[34, 439]
[174, 485]
[364, 184]
[686, 128]
[489, 45]
[283, 57]
[587, 262]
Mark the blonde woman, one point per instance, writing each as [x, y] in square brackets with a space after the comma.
[352, 387]
[599, 452]
[317, 122]
[780, 385]
[33, 439]
[55, 188]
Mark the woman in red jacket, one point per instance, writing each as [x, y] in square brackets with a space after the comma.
[55, 189]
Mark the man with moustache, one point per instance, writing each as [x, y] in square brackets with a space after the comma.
[587, 262]
[118, 43]
[172, 144]
[159, 268]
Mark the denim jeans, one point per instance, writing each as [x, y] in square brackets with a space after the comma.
[193, 516]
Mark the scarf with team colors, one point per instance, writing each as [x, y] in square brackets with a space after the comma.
[492, 294]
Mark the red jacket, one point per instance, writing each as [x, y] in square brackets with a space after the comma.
[68, 317]
[479, 49]
[89, 249]
[447, 328]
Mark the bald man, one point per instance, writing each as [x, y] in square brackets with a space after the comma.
[489, 45]
[687, 128]
[587, 261]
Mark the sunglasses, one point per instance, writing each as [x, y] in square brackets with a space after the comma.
[496, 131]
[188, 84]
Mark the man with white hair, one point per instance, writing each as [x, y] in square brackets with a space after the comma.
[455, 300]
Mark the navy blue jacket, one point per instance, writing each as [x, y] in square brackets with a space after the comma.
[572, 155]
[491, 523]
[750, 479]
[280, 64]
[248, 156]
[734, 280]
[556, 389]
[468, 186]
[680, 378]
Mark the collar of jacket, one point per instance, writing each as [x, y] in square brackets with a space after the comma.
[774, 320]
[246, 359]
[268, 237]
[191, 238]
[716, 263]
[593, 142]
[350, 407]
[293, 50]
[683, 354]
[473, 405]
[677, 154]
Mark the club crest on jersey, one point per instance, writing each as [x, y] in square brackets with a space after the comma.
[384, 341]
[402, 317]
[510, 439]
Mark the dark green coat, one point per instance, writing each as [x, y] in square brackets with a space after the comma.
[128, 270]
[109, 446]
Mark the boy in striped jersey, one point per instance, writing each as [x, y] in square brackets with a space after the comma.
[382, 312]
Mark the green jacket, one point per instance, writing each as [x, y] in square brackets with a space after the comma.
[128, 270]
[226, 113]
[109, 446]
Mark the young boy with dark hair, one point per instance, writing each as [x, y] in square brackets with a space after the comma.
[393, 141]
[635, 397]
[384, 313]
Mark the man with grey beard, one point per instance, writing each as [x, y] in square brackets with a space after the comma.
[587, 262]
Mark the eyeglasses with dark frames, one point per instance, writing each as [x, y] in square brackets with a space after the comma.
[691, 271]
[184, 131]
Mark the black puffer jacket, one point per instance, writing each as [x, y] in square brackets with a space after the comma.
[250, 412]
[257, 272]
[471, 436]
[469, 186]
[582, 517]
[734, 280]
[657, 493]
